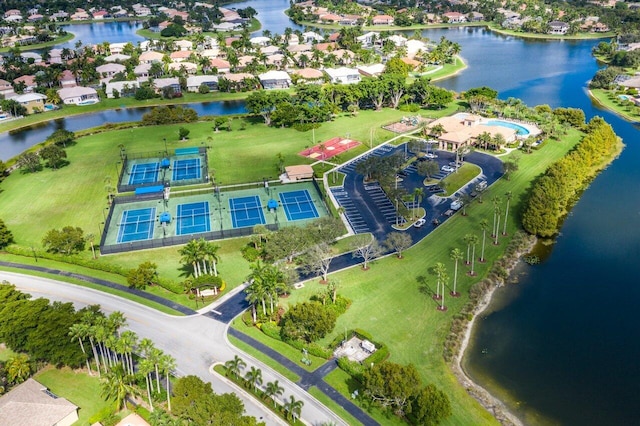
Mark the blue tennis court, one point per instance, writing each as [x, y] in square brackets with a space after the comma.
[193, 218]
[186, 169]
[298, 205]
[136, 225]
[246, 211]
[144, 173]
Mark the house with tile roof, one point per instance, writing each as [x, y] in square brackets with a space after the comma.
[32, 404]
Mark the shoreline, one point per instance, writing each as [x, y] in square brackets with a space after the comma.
[491, 403]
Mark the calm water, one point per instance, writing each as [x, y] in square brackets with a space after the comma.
[96, 33]
[561, 345]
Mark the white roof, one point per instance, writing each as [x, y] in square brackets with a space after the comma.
[72, 92]
[119, 85]
[373, 69]
[29, 405]
[397, 39]
[33, 55]
[117, 57]
[370, 34]
[259, 40]
[28, 97]
[111, 68]
[341, 72]
[197, 80]
[142, 68]
[164, 82]
[274, 75]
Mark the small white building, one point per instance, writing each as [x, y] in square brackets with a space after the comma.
[123, 88]
[260, 41]
[194, 82]
[343, 75]
[369, 39]
[78, 95]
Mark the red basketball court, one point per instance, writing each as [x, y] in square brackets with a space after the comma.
[328, 149]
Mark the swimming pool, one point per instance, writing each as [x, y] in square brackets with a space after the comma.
[522, 131]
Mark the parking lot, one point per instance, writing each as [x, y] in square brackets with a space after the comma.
[367, 208]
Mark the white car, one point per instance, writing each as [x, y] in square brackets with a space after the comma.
[419, 223]
[446, 168]
[430, 155]
[456, 205]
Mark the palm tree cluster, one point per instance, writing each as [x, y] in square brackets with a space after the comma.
[113, 355]
[267, 283]
[272, 390]
[202, 256]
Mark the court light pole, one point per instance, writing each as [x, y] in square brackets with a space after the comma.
[166, 151]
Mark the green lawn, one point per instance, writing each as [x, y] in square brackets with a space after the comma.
[79, 388]
[264, 358]
[329, 403]
[612, 102]
[461, 177]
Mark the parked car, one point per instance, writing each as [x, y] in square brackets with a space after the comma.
[481, 186]
[419, 223]
[456, 204]
[447, 169]
[430, 155]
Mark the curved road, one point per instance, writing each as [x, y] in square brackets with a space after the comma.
[196, 342]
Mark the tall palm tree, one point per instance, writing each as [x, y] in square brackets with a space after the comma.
[254, 377]
[156, 357]
[293, 407]
[115, 321]
[455, 255]
[473, 241]
[128, 341]
[439, 270]
[88, 319]
[189, 256]
[116, 386]
[145, 367]
[467, 239]
[508, 196]
[417, 193]
[80, 331]
[211, 253]
[484, 225]
[273, 390]
[444, 278]
[167, 364]
[496, 201]
[235, 365]
[495, 241]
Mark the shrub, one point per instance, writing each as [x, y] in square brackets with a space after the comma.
[409, 107]
[271, 329]
[250, 253]
[352, 368]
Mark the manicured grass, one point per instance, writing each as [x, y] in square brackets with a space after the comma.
[329, 403]
[405, 318]
[461, 177]
[610, 101]
[79, 388]
[264, 358]
[293, 354]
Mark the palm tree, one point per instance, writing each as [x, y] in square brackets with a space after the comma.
[496, 201]
[128, 341]
[293, 407]
[473, 241]
[444, 278]
[254, 377]
[273, 390]
[190, 253]
[508, 196]
[115, 321]
[455, 255]
[467, 239]
[80, 331]
[440, 270]
[235, 365]
[18, 368]
[484, 225]
[88, 319]
[145, 367]
[417, 193]
[116, 386]
[211, 253]
[167, 364]
[90, 238]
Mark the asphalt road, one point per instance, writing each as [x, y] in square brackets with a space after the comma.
[196, 342]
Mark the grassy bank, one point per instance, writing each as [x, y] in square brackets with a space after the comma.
[610, 100]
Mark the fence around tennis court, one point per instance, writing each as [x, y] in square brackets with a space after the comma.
[218, 204]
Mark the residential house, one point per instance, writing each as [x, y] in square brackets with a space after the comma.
[150, 57]
[343, 75]
[118, 57]
[454, 17]
[195, 81]
[369, 39]
[27, 81]
[6, 89]
[330, 17]
[59, 16]
[275, 80]
[260, 41]
[278, 60]
[12, 12]
[475, 17]
[33, 102]
[133, 419]
[31, 403]
[55, 56]
[382, 20]
[180, 55]
[123, 88]
[299, 48]
[325, 46]
[36, 17]
[67, 79]
[558, 27]
[31, 57]
[80, 15]
[13, 18]
[240, 81]
[141, 10]
[309, 75]
[373, 70]
[350, 19]
[221, 65]
[101, 14]
[173, 82]
[142, 71]
[78, 95]
[184, 44]
[116, 48]
[109, 70]
[188, 67]
[311, 36]
[397, 40]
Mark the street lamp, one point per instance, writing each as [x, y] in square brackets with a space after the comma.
[166, 151]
